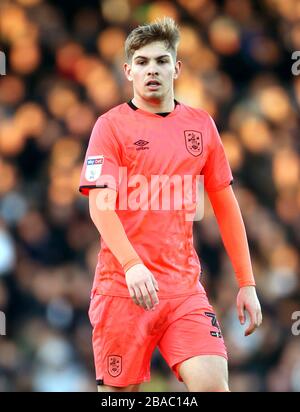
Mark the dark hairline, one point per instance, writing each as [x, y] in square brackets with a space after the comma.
[171, 50]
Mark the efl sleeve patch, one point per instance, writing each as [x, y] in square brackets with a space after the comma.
[93, 167]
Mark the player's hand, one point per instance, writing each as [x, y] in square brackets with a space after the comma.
[142, 286]
[247, 300]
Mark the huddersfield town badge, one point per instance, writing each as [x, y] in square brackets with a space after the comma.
[193, 142]
[114, 365]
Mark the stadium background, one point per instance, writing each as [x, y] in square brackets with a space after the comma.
[64, 68]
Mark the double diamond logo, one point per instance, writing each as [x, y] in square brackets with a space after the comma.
[141, 144]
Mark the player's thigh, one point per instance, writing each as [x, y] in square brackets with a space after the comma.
[193, 331]
[122, 344]
[205, 373]
[129, 388]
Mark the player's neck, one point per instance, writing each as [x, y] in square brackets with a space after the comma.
[156, 106]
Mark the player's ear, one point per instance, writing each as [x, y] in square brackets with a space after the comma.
[177, 70]
[127, 71]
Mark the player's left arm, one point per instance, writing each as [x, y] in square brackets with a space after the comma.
[233, 233]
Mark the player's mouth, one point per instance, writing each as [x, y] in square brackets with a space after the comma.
[153, 84]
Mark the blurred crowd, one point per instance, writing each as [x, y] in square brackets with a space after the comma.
[64, 69]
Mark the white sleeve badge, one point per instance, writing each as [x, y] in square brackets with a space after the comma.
[94, 167]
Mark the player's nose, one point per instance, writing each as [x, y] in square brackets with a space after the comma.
[152, 71]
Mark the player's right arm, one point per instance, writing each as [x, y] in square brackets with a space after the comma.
[140, 281]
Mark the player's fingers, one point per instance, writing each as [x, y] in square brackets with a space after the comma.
[152, 293]
[133, 296]
[139, 297]
[147, 304]
[251, 328]
[259, 317]
[241, 313]
[155, 283]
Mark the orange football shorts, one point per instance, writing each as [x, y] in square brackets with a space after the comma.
[125, 336]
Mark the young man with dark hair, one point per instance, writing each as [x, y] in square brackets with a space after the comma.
[147, 291]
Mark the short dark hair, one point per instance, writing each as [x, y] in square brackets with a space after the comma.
[165, 30]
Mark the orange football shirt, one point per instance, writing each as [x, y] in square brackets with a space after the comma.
[135, 152]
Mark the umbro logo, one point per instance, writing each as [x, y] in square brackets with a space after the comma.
[141, 144]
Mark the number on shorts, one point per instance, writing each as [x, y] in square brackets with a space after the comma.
[214, 322]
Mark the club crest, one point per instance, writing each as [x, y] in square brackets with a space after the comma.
[193, 142]
[114, 365]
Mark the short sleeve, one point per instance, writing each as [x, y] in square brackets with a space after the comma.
[102, 159]
[216, 171]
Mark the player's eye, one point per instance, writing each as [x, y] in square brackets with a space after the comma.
[141, 62]
[162, 61]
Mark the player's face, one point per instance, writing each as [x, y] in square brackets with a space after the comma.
[152, 71]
